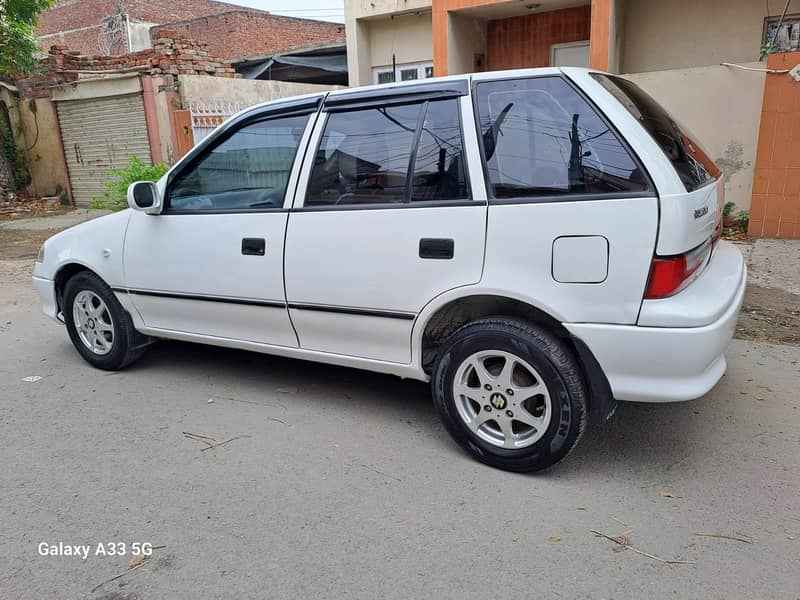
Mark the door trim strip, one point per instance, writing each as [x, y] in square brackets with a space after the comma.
[348, 310]
[223, 299]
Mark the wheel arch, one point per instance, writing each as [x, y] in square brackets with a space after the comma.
[63, 274]
[448, 316]
[70, 269]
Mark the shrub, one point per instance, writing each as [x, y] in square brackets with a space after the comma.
[727, 209]
[742, 219]
[13, 156]
[116, 195]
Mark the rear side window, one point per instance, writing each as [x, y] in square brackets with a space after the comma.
[691, 162]
[390, 155]
[542, 139]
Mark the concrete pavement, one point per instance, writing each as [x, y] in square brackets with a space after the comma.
[346, 485]
[773, 264]
[59, 221]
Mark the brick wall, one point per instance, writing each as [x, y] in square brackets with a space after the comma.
[170, 55]
[240, 34]
[775, 207]
[168, 11]
[525, 41]
[86, 40]
[78, 23]
[67, 15]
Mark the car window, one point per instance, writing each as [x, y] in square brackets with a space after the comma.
[541, 138]
[365, 156]
[691, 162]
[439, 161]
[247, 170]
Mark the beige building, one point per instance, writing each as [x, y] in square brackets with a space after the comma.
[672, 49]
[386, 33]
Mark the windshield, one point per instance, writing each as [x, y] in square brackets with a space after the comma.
[693, 165]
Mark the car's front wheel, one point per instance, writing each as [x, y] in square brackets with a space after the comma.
[100, 329]
[510, 393]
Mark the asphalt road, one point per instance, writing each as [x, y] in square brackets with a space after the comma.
[346, 485]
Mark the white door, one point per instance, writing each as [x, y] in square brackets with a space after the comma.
[572, 54]
[385, 224]
[212, 262]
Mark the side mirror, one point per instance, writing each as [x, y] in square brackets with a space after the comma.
[144, 196]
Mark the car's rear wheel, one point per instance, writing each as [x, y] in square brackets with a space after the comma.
[100, 329]
[510, 393]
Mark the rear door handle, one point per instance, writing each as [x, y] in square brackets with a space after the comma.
[437, 248]
[254, 246]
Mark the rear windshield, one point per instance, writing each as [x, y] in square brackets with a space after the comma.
[693, 165]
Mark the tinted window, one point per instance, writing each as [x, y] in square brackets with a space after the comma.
[365, 156]
[248, 170]
[541, 138]
[690, 161]
[439, 162]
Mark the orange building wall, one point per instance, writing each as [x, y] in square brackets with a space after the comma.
[554, 27]
[440, 9]
[520, 42]
[601, 34]
[775, 207]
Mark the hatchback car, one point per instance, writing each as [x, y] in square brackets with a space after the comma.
[537, 244]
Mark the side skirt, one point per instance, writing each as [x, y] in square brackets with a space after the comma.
[401, 370]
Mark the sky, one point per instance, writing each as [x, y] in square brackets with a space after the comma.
[326, 10]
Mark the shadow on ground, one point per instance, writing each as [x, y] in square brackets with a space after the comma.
[643, 439]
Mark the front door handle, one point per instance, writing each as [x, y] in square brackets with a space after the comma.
[436, 248]
[254, 246]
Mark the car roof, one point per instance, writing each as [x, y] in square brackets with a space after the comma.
[376, 90]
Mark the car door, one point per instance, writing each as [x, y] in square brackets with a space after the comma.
[385, 221]
[212, 262]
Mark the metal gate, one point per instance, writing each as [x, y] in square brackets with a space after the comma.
[101, 134]
[207, 116]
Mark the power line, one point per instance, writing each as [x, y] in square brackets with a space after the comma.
[340, 10]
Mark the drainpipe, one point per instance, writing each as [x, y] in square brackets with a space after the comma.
[151, 119]
[128, 32]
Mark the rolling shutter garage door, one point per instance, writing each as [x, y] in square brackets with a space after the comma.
[101, 134]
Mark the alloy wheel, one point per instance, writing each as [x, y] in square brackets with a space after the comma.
[502, 399]
[93, 322]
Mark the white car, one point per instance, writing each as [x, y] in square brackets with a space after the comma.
[537, 244]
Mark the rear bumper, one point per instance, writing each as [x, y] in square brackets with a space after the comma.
[668, 364]
[706, 299]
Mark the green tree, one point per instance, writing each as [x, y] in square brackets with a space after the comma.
[18, 47]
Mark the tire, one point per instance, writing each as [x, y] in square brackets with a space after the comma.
[533, 426]
[106, 339]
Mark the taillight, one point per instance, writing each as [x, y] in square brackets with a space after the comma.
[670, 274]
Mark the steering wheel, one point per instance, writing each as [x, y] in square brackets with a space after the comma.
[347, 196]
